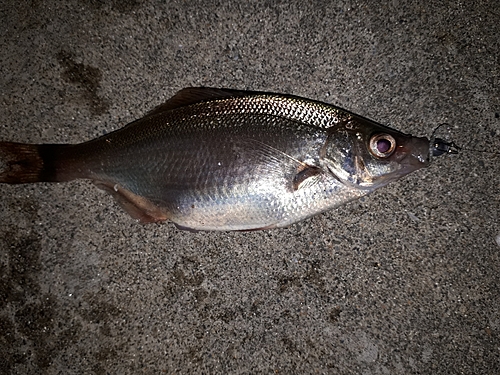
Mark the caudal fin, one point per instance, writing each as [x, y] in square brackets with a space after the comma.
[22, 163]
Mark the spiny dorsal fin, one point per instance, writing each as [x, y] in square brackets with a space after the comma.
[193, 95]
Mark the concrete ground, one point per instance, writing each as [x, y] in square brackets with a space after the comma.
[404, 281]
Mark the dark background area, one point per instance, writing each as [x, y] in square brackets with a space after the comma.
[403, 281]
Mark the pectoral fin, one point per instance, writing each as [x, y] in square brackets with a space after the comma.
[305, 176]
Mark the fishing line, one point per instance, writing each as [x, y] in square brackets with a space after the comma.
[439, 146]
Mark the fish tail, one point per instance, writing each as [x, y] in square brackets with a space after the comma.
[22, 163]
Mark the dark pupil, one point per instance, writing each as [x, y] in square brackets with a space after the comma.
[383, 145]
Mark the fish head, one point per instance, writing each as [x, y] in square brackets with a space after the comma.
[368, 155]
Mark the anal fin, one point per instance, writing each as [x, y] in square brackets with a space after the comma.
[136, 206]
[267, 227]
[182, 227]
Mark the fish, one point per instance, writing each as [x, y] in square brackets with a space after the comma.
[229, 160]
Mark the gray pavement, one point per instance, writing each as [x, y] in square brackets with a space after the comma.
[405, 281]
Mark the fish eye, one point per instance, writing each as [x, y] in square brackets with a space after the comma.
[382, 145]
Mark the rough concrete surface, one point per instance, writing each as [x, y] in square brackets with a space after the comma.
[404, 281]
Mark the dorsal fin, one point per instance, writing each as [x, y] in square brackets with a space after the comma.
[193, 95]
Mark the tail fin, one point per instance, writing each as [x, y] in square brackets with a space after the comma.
[22, 163]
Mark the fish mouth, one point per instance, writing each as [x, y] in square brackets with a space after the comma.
[413, 154]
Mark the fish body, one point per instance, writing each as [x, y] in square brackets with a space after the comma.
[211, 159]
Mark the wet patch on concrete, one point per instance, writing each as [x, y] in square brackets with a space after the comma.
[87, 78]
[29, 320]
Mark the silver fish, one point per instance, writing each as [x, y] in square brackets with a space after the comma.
[216, 159]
